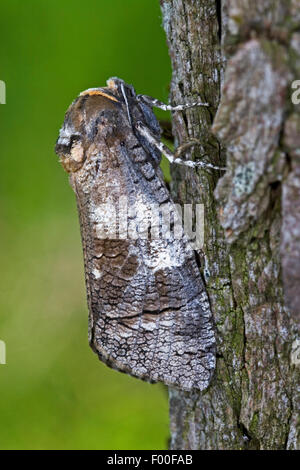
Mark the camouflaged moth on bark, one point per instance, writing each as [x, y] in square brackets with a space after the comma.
[149, 314]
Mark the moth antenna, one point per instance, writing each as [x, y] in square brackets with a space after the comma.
[126, 103]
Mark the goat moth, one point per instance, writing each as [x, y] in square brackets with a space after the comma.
[149, 314]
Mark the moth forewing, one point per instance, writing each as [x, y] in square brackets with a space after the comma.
[148, 308]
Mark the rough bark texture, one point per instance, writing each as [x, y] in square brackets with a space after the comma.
[251, 257]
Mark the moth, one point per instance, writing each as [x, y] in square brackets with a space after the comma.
[149, 313]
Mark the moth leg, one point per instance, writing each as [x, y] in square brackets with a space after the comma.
[185, 146]
[173, 157]
[166, 128]
[153, 102]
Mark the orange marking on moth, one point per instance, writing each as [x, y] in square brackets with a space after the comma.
[98, 92]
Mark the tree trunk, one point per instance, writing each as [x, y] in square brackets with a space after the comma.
[251, 256]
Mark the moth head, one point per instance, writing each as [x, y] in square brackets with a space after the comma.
[118, 86]
[92, 115]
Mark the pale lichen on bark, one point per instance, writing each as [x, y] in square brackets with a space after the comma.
[252, 215]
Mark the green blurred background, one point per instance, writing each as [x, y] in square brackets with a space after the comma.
[55, 393]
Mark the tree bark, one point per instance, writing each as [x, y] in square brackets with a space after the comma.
[241, 57]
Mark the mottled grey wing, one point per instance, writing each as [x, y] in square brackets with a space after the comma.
[149, 314]
[152, 323]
